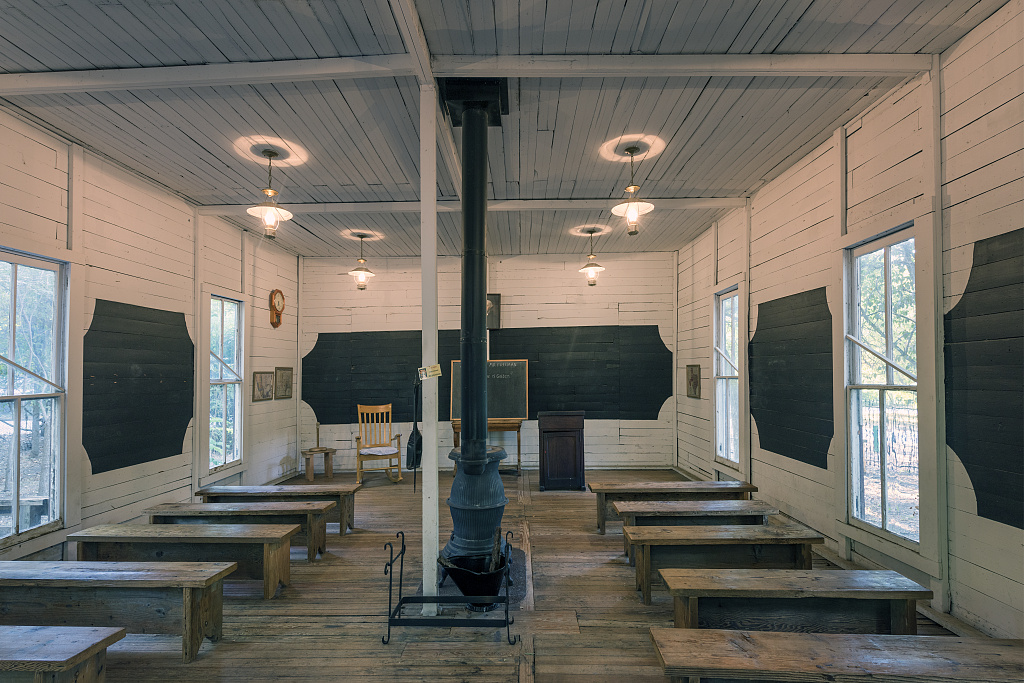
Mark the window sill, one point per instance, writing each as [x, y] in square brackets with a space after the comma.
[906, 552]
[223, 472]
[24, 537]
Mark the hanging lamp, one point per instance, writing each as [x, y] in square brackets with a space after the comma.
[361, 273]
[592, 267]
[269, 213]
[632, 208]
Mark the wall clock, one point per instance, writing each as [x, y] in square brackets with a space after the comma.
[276, 306]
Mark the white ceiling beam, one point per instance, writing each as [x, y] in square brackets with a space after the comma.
[236, 73]
[450, 205]
[555, 66]
[411, 30]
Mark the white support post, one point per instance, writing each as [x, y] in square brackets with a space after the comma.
[428, 261]
[746, 444]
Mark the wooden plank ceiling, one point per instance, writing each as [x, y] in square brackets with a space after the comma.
[725, 135]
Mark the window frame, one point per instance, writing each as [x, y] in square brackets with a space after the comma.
[205, 474]
[722, 466]
[59, 383]
[718, 359]
[854, 349]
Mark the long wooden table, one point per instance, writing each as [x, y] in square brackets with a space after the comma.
[310, 515]
[183, 598]
[715, 655]
[55, 654]
[261, 550]
[498, 424]
[689, 513]
[342, 494]
[768, 546]
[816, 601]
[608, 493]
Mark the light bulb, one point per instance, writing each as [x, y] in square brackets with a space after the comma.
[632, 214]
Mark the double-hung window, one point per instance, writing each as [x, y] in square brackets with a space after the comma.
[225, 381]
[727, 376]
[882, 387]
[32, 359]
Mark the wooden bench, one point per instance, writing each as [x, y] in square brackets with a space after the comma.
[342, 494]
[55, 654]
[689, 513]
[310, 515]
[261, 550]
[714, 655]
[815, 601]
[769, 546]
[183, 598]
[665, 490]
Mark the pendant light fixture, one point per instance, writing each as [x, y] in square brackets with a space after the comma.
[269, 213]
[361, 273]
[592, 268]
[632, 208]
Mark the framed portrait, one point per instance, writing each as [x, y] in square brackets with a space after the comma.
[493, 319]
[262, 386]
[693, 381]
[282, 382]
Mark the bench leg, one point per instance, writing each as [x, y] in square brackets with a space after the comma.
[600, 513]
[903, 617]
[192, 624]
[804, 561]
[276, 567]
[309, 467]
[685, 612]
[347, 514]
[643, 571]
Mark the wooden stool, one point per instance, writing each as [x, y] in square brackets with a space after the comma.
[328, 461]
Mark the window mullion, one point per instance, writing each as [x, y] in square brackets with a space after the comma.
[16, 467]
[883, 436]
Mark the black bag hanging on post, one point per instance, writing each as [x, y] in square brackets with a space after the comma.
[414, 447]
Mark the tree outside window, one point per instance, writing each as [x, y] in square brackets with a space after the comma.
[32, 352]
[882, 389]
[225, 382]
[727, 376]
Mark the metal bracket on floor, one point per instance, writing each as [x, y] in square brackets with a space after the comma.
[395, 617]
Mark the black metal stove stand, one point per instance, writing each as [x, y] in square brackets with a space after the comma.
[395, 617]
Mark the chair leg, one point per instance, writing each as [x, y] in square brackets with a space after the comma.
[359, 471]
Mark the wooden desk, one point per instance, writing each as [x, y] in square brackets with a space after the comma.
[311, 515]
[499, 424]
[311, 453]
[768, 546]
[689, 513]
[665, 490]
[342, 494]
[261, 550]
[815, 601]
[760, 655]
[144, 597]
[56, 654]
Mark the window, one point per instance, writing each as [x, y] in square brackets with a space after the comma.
[32, 356]
[225, 381]
[882, 387]
[727, 376]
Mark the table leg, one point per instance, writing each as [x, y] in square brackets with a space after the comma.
[804, 558]
[193, 626]
[329, 465]
[276, 567]
[600, 513]
[348, 512]
[309, 466]
[685, 612]
[627, 520]
[903, 617]
[519, 450]
[643, 571]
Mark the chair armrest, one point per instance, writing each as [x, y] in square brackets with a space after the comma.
[396, 436]
[359, 444]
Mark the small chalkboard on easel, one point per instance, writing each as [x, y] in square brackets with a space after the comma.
[507, 389]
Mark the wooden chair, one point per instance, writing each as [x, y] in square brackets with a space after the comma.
[374, 442]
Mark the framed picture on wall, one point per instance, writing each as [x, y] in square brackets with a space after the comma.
[493, 319]
[262, 386]
[693, 381]
[282, 382]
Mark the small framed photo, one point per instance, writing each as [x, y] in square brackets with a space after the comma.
[262, 386]
[693, 381]
[493, 319]
[282, 382]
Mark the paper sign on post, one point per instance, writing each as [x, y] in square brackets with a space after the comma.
[429, 371]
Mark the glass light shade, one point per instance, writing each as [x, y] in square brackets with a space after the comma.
[270, 214]
[640, 208]
[591, 270]
[362, 275]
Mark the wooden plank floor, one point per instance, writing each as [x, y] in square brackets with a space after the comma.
[580, 621]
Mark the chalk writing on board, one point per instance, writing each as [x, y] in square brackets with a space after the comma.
[507, 389]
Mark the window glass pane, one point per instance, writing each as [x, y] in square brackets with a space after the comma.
[869, 321]
[216, 315]
[35, 329]
[727, 419]
[216, 425]
[730, 333]
[6, 272]
[215, 368]
[904, 310]
[6, 468]
[39, 450]
[231, 422]
[865, 432]
[901, 471]
[231, 334]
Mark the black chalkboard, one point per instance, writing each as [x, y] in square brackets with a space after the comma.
[507, 389]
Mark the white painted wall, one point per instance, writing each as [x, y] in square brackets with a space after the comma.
[536, 291]
[133, 242]
[797, 242]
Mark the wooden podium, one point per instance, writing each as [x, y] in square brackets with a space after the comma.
[499, 424]
[561, 450]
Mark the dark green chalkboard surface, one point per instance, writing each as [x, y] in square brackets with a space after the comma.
[507, 386]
